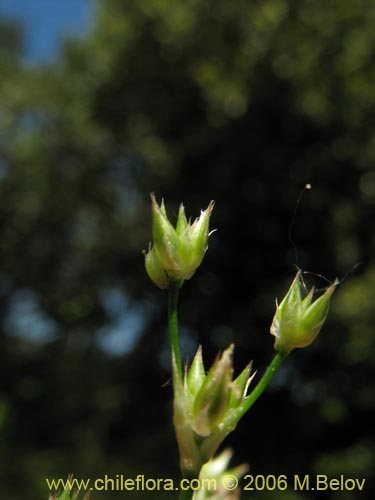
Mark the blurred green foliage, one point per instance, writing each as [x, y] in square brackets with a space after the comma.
[241, 102]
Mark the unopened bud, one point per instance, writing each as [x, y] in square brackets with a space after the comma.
[212, 400]
[298, 320]
[176, 252]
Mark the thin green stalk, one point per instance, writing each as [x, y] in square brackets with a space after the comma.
[174, 289]
[264, 381]
[173, 324]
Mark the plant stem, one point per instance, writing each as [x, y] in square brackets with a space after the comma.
[173, 325]
[174, 289]
[265, 380]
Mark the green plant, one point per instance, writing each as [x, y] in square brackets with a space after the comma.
[207, 407]
[68, 493]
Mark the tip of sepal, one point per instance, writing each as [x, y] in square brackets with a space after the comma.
[196, 374]
[240, 386]
[182, 223]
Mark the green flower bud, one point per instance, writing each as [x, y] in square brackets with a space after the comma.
[212, 400]
[207, 407]
[298, 320]
[155, 270]
[176, 252]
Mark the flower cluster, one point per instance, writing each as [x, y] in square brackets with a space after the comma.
[176, 252]
[207, 407]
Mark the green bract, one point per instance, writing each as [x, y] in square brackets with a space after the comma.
[176, 252]
[207, 407]
[298, 320]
